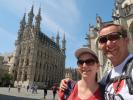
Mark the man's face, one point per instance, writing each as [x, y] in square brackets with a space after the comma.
[112, 43]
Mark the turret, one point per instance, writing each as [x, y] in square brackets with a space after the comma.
[57, 38]
[30, 17]
[38, 20]
[98, 22]
[64, 44]
[119, 7]
[22, 27]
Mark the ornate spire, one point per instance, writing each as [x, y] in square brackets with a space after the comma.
[38, 20]
[98, 21]
[57, 38]
[64, 44]
[22, 26]
[23, 22]
[30, 17]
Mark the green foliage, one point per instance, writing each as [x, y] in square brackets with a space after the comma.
[6, 79]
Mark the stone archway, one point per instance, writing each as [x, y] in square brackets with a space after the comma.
[131, 37]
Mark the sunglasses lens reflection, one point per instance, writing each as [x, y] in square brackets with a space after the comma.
[103, 39]
[88, 62]
[111, 37]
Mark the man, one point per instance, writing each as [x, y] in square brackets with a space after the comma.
[54, 89]
[45, 90]
[113, 41]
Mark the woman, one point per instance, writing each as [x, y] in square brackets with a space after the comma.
[87, 88]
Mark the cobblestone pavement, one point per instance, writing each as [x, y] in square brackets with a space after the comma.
[23, 95]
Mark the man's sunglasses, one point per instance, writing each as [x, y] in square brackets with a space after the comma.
[88, 62]
[111, 37]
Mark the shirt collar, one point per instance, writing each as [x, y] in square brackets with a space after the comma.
[117, 70]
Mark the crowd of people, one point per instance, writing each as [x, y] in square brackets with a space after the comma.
[33, 89]
[54, 89]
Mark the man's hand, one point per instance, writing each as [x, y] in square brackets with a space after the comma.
[63, 84]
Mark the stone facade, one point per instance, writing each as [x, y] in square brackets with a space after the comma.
[38, 59]
[6, 61]
[72, 73]
[122, 14]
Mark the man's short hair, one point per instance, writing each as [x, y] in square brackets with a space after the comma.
[122, 29]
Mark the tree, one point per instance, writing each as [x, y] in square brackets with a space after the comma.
[6, 79]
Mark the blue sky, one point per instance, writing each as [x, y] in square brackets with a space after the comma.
[71, 17]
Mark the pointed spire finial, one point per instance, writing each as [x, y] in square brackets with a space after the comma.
[64, 44]
[22, 27]
[30, 16]
[57, 38]
[23, 22]
[38, 20]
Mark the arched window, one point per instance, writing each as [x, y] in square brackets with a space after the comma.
[27, 62]
[20, 75]
[29, 50]
[22, 61]
[127, 9]
[25, 76]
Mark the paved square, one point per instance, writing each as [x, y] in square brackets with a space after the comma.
[24, 95]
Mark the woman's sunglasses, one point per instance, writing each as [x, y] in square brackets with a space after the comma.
[111, 37]
[87, 62]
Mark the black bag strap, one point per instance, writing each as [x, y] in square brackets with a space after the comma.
[128, 72]
[121, 77]
[102, 89]
[127, 69]
[108, 77]
[108, 82]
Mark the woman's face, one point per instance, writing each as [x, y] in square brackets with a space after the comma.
[87, 65]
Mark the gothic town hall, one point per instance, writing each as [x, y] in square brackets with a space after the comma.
[38, 59]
